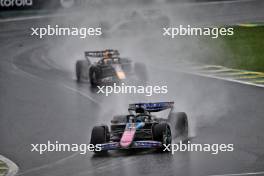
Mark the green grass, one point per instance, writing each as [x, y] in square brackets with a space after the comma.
[3, 168]
[243, 50]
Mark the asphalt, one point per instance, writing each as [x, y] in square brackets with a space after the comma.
[41, 101]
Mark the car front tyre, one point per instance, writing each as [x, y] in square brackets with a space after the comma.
[100, 135]
[179, 124]
[82, 70]
[162, 133]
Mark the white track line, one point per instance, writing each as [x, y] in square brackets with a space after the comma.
[30, 18]
[209, 76]
[49, 165]
[37, 78]
[228, 79]
[218, 2]
[81, 93]
[241, 174]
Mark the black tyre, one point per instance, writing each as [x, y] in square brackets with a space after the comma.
[179, 124]
[141, 72]
[82, 70]
[100, 135]
[93, 74]
[162, 133]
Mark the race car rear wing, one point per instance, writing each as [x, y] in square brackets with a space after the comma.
[109, 53]
[152, 107]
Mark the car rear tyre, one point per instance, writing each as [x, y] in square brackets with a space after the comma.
[93, 72]
[82, 70]
[100, 135]
[162, 133]
[179, 124]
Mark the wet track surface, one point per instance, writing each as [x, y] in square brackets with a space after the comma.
[41, 101]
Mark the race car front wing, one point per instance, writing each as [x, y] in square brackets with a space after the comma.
[135, 144]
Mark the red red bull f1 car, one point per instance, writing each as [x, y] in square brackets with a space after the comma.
[141, 128]
[110, 68]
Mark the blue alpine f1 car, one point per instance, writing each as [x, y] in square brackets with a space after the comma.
[140, 128]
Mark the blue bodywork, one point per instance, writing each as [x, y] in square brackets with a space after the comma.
[152, 107]
[135, 144]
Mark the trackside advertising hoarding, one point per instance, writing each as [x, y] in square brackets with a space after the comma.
[34, 4]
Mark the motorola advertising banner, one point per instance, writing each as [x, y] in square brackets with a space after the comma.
[35, 4]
